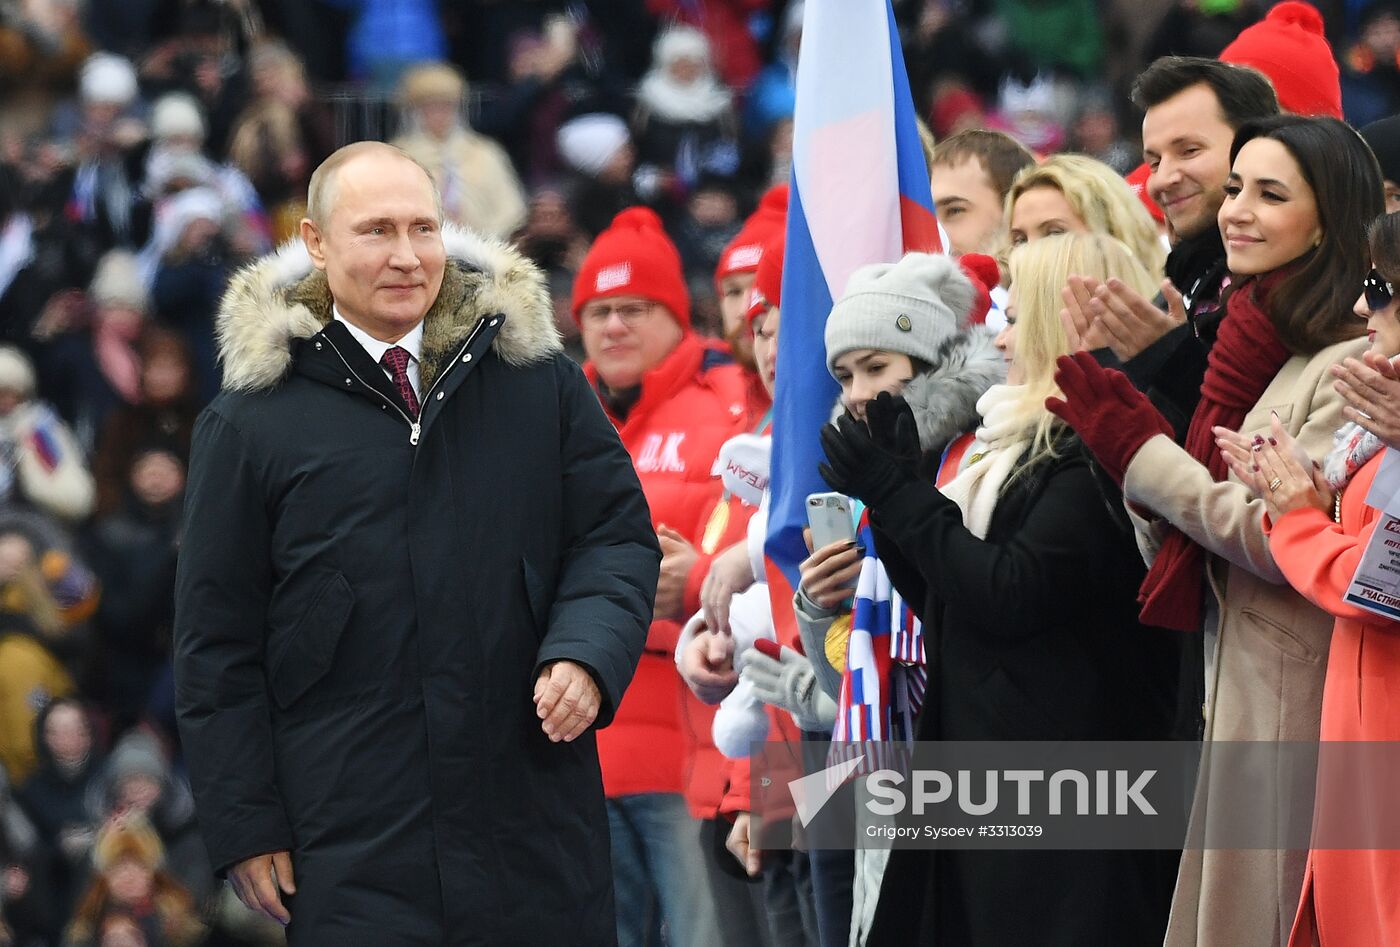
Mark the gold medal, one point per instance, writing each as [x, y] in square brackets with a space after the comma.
[714, 529]
[838, 635]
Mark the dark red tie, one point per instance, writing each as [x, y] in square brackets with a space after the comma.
[396, 360]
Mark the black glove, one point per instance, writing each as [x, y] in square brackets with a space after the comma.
[860, 466]
[894, 430]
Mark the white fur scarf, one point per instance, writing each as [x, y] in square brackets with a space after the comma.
[1001, 441]
[701, 101]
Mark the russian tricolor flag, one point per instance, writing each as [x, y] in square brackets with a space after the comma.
[860, 194]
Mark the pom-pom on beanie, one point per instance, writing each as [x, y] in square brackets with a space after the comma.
[985, 273]
[1289, 47]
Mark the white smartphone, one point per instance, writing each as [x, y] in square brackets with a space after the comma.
[829, 515]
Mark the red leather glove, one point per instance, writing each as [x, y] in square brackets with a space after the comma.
[1111, 417]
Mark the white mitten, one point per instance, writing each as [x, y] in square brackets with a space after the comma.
[740, 721]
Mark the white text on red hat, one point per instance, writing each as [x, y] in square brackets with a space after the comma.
[613, 277]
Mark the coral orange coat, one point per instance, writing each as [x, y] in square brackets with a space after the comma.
[1351, 895]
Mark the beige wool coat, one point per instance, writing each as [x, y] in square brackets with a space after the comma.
[1269, 660]
[479, 187]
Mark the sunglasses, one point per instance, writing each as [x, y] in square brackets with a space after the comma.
[1378, 292]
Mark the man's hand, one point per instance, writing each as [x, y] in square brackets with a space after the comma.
[707, 666]
[1129, 320]
[261, 881]
[730, 573]
[677, 559]
[1371, 387]
[566, 700]
[739, 845]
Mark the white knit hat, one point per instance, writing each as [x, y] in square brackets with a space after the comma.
[118, 282]
[107, 77]
[680, 42]
[909, 307]
[176, 213]
[16, 372]
[589, 142]
[177, 113]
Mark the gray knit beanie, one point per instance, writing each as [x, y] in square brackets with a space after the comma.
[908, 307]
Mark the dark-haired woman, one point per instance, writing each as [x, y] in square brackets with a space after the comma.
[1299, 194]
[1319, 528]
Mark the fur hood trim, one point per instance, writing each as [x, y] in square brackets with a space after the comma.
[944, 399]
[283, 297]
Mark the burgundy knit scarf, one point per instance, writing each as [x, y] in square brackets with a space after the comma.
[1245, 358]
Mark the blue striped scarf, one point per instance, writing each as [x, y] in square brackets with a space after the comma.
[883, 682]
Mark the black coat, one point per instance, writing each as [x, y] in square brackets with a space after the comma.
[360, 619]
[1031, 634]
[1170, 372]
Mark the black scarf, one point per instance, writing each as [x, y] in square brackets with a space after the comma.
[1196, 267]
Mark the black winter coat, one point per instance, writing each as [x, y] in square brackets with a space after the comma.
[1031, 634]
[1170, 372]
[362, 609]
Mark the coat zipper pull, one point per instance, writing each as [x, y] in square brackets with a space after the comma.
[414, 429]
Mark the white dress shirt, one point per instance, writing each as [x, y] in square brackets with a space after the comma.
[411, 343]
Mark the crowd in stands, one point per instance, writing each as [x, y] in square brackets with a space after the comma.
[638, 152]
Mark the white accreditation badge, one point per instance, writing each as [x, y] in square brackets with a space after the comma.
[1376, 585]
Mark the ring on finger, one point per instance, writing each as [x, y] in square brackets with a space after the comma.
[1275, 483]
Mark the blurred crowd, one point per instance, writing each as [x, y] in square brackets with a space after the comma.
[148, 148]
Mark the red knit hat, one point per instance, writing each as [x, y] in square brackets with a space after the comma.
[1289, 47]
[634, 257]
[768, 281]
[953, 106]
[741, 255]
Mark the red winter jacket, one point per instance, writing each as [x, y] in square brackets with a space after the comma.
[708, 773]
[706, 768]
[689, 406]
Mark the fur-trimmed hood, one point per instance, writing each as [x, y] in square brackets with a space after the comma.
[282, 297]
[944, 398]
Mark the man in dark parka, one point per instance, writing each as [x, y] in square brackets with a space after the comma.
[394, 628]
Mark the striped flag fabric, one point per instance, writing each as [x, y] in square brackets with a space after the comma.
[882, 685]
[859, 194]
